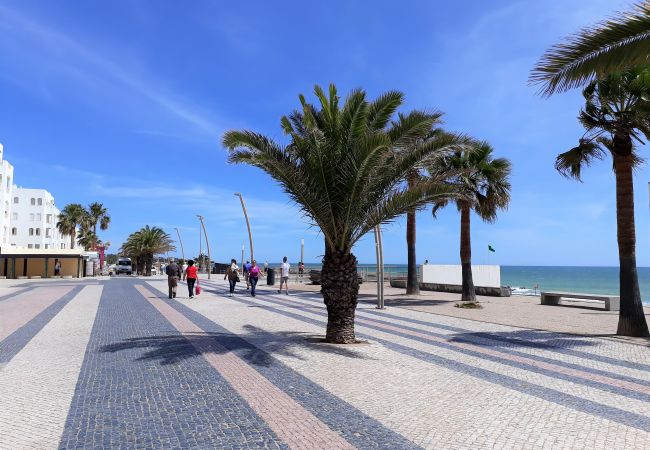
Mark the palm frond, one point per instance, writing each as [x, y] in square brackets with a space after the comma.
[620, 42]
[570, 163]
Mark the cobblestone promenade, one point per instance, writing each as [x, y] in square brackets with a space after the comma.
[116, 364]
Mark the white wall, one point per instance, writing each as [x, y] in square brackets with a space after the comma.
[485, 276]
[6, 192]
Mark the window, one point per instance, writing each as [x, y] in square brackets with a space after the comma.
[30, 246]
[32, 201]
[14, 231]
[31, 217]
[39, 217]
[38, 232]
[14, 216]
[63, 246]
[37, 245]
[48, 218]
[31, 232]
[46, 246]
[40, 202]
[15, 200]
[48, 232]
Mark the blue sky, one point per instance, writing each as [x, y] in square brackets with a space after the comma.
[125, 102]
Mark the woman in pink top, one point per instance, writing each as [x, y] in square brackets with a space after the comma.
[253, 276]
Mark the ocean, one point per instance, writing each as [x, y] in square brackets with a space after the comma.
[523, 279]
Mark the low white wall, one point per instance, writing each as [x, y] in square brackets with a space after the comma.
[487, 276]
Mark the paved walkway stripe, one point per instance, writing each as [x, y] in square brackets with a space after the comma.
[606, 382]
[16, 312]
[14, 293]
[37, 386]
[11, 345]
[624, 388]
[143, 385]
[289, 420]
[526, 337]
[570, 401]
[356, 427]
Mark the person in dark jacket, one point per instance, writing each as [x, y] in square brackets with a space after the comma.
[174, 272]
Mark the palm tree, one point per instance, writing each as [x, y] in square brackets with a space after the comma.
[621, 42]
[70, 217]
[414, 176]
[616, 114]
[341, 169]
[87, 239]
[144, 244]
[98, 214]
[484, 182]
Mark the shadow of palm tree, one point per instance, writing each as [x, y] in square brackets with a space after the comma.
[523, 338]
[174, 348]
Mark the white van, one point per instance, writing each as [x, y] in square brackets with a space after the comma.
[123, 266]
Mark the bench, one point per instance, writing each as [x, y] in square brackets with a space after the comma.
[612, 302]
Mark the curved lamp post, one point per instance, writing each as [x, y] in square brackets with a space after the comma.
[207, 244]
[248, 224]
[180, 241]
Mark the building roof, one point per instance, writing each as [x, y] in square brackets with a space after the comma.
[42, 253]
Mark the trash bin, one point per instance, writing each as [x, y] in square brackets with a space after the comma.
[270, 277]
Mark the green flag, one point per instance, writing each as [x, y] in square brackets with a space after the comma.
[491, 249]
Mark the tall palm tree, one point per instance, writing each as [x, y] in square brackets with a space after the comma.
[621, 42]
[616, 114]
[413, 177]
[144, 244]
[70, 217]
[98, 214]
[485, 184]
[341, 169]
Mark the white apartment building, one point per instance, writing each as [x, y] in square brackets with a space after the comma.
[6, 192]
[33, 218]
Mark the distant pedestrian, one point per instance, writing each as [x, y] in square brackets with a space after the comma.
[232, 274]
[57, 267]
[173, 275]
[266, 266]
[301, 269]
[191, 275]
[246, 269]
[284, 275]
[184, 267]
[253, 276]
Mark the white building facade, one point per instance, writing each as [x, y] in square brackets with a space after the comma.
[33, 219]
[6, 195]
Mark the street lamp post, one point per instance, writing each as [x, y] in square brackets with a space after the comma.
[180, 241]
[207, 244]
[380, 268]
[248, 224]
[302, 251]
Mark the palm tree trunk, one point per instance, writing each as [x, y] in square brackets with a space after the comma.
[340, 288]
[95, 236]
[468, 294]
[412, 285]
[631, 319]
[149, 263]
[73, 238]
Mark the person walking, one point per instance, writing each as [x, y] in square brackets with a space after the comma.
[301, 269]
[253, 276]
[57, 267]
[266, 267]
[232, 274]
[284, 275]
[174, 273]
[191, 275]
[246, 269]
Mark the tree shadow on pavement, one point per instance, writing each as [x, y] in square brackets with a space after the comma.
[174, 348]
[524, 338]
